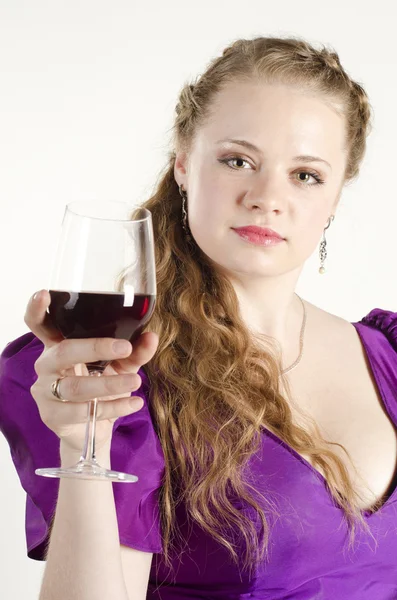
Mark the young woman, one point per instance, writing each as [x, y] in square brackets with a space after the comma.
[261, 426]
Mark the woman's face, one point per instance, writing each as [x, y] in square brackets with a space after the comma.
[270, 184]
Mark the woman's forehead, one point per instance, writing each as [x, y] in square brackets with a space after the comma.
[266, 106]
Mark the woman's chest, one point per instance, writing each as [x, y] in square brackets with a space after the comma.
[338, 389]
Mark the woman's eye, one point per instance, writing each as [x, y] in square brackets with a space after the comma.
[305, 180]
[237, 160]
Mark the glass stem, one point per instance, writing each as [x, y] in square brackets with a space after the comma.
[88, 454]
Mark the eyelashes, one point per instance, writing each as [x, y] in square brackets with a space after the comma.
[314, 175]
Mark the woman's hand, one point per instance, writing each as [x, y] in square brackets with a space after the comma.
[67, 359]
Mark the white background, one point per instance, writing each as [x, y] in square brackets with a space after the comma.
[87, 93]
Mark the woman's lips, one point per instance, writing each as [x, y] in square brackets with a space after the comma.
[260, 236]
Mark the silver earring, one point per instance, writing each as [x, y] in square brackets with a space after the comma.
[323, 246]
[185, 224]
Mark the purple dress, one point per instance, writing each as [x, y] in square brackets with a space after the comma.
[309, 555]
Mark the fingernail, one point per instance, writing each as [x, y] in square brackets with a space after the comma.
[121, 347]
[36, 295]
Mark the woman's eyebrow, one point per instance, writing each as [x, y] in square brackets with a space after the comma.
[301, 158]
[308, 158]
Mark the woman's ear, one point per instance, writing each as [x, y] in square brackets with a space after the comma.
[180, 168]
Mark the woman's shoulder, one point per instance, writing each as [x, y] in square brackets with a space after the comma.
[377, 319]
[26, 343]
[18, 358]
[377, 329]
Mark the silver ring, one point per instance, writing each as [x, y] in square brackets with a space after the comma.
[55, 390]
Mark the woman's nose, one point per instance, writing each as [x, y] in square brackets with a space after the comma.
[266, 193]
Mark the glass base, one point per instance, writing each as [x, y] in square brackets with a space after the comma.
[87, 470]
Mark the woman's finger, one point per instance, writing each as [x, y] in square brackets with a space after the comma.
[38, 320]
[143, 350]
[83, 389]
[68, 353]
[69, 414]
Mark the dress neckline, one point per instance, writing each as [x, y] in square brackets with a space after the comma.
[366, 513]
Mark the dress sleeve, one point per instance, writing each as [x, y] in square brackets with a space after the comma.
[385, 321]
[135, 449]
[378, 332]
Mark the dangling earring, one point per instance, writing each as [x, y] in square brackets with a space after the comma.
[323, 246]
[185, 224]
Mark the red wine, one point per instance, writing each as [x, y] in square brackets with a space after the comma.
[92, 314]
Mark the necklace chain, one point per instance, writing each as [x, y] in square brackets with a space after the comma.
[300, 341]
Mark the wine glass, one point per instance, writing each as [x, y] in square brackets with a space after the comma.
[103, 284]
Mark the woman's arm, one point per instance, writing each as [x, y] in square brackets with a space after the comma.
[84, 555]
[136, 568]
